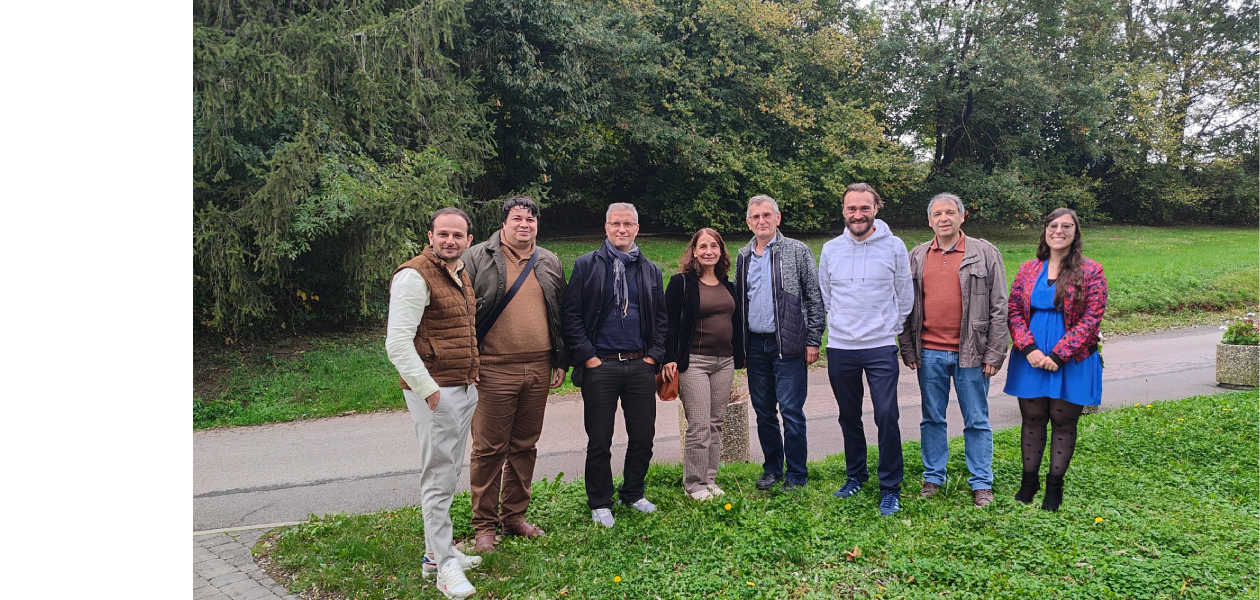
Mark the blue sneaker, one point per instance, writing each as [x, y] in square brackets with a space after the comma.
[889, 503]
[850, 487]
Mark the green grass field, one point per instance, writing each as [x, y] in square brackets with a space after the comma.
[1160, 502]
[1158, 278]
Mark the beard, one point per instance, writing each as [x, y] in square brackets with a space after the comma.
[859, 227]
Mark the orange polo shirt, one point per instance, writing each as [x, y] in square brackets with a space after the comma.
[942, 296]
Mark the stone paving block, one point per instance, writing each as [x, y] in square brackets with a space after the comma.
[235, 590]
[216, 569]
[244, 563]
[209, 593]
[199, 581]
[255, 593]
[227, 546]
[251, 537]
[222, 581]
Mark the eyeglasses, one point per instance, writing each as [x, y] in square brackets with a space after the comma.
[1065, 227]
[619, 225]
[761, 217]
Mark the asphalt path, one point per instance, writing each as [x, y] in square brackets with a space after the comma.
[264, 474]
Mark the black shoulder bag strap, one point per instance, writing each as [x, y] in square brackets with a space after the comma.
[484, 327]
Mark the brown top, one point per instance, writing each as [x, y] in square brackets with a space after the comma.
[446, 338]
[713, 332]
[942, 296]
[521, 333]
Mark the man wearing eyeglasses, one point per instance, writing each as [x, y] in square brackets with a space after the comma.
[615, 324]
[865, 279]
[776, 287]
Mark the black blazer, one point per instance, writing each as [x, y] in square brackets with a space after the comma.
[583, 311]
[682, 303]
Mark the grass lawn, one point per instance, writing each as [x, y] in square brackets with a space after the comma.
[1160, 502]
[1158, 278]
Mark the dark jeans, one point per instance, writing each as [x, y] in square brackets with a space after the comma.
[777, 386]
[844, 368]
[634, 382]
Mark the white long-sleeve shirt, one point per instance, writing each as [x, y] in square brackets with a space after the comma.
[408, 297]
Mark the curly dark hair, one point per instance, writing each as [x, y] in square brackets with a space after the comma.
[1070, 266]
[687, 263]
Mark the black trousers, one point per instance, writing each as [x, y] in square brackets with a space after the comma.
[844, 368]
[634, 383]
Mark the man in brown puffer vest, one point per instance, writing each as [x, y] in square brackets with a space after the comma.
[432, 341]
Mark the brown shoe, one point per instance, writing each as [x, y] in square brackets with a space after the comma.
[928, 490]
[485, 543]
[982, 497]
[524, 528]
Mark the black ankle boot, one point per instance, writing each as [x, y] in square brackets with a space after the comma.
[1028, 487]
[1054, 492]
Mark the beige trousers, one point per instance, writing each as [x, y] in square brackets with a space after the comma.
[705, 390]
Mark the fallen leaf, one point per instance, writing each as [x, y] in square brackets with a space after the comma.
[852, 555]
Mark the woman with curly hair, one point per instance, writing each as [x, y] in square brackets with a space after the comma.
[1056, 306]
[702, 349]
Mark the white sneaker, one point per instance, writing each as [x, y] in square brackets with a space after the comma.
[452, 582]
[429, 568]
[603, 516]
[701, 495]
[715, 490]
[642, 505]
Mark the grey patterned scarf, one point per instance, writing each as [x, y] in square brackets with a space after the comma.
[621, 289]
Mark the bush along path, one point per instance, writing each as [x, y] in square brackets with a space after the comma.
[1160, 502]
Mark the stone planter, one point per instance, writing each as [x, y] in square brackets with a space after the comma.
[734, 430]
[1237, 366]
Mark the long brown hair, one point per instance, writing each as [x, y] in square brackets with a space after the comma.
[687, 263]
[1070, 267]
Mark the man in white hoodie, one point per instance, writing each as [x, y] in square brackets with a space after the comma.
[866, 286]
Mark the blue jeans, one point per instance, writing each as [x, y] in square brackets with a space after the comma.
[778, 386]
[935, 370]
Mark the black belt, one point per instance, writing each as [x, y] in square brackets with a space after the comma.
[623, 356]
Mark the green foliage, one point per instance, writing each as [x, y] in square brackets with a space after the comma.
[324, 133]
[1242, 331]
[1160, 502]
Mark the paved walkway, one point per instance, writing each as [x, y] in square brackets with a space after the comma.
[249, 476]
[224, 569]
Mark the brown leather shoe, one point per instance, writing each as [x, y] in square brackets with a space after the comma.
[485, 543]
[525, 529]
[928, 490]
[982, 497]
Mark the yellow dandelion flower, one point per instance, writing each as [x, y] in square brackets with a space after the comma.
[727, 507]
[617, 579]
[750, 583]
[1098, 519]
[1137, 404]
[1149, 405]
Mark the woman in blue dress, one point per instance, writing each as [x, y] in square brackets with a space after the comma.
[1056, 307]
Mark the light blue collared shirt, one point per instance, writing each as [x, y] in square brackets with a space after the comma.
[761, 290]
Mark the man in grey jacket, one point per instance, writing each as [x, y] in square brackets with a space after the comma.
[957, 329]
[865, 279]
[776, 289]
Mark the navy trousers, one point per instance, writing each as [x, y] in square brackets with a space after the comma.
[844, 369]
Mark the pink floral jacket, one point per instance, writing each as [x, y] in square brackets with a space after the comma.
[1082, 324]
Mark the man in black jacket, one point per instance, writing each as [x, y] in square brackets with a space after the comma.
[615, 325]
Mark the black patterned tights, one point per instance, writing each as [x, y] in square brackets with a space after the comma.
[1062, 416]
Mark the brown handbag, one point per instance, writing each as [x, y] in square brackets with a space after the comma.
[667, 390]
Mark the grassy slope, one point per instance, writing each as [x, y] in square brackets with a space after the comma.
[1161, 502]
[1158, 278]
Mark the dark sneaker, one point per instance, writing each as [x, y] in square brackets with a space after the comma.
[889, 503]
[767, 481]
[928, 490]
[850, 487]
[792, 485]
[982, 497]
